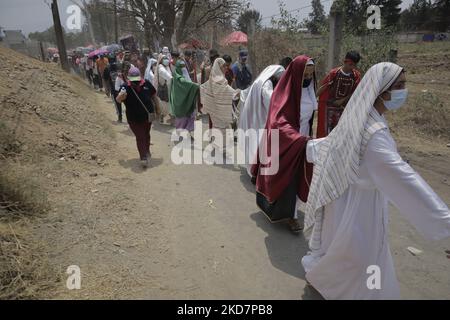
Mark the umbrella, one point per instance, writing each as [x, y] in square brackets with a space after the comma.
[52, 50]
[236, 37]
[97, 52]
[114, 47]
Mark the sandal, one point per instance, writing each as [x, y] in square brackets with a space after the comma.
[294, 225]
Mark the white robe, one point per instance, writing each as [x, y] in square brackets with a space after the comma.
[308, 105]
[254, 116]
[354, 232]
[254, 106]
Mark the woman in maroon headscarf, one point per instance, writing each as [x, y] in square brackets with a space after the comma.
[282, 177]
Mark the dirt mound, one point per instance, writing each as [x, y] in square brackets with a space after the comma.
[50, 134]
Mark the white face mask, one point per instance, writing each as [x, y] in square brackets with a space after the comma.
[398, 99]
[165, 62]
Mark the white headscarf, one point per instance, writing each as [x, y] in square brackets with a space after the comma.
[254, 113]
[149, 75]
[340, 154]
[217, 96]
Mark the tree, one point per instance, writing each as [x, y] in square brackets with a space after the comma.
[72, 39]
[287, 21]
[84, 8]
[317, 20]
[168, 20]
[390, 11]
[418, 16]
[243, 22]
[442, 9]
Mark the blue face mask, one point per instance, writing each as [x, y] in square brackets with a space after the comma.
[398, 99]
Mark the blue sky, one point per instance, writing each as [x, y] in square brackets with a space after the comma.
[35, 15]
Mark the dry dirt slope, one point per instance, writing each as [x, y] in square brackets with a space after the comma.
[51, 136]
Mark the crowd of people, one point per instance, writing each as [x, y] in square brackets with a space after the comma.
[341, 175]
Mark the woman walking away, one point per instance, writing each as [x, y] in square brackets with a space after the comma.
[255, 110]
[183, 99]
[288, 126]
[217, 96]
[138, 96]
[357, 171]
[150, 71]
[163, 82]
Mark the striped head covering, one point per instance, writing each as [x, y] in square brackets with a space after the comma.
[340, 154]
[217, 96]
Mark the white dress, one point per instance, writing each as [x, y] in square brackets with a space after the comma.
[164, 76]
[308, 106]
[355, 226]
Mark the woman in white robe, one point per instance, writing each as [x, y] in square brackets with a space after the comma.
[150, 70]
[163, 76]
[255, 109]
[358, 171]
[217, 96]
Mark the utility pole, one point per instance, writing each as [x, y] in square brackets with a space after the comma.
[251, 47]
[60, 37]
[41, 49]
[336, 26]
[116, 24]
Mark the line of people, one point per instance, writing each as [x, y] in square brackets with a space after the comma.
[169, 87]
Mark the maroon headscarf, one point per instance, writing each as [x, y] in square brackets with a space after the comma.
[284, 115]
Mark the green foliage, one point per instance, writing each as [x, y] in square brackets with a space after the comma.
[374, 46]
[317, 21]
[72, 39]
[426, 113]
[287, 21]
[427, 15]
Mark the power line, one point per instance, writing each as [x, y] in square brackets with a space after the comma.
[293, 10]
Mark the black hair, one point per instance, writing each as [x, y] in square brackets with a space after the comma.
[227, 58]
[188, 53]
[285, 62]
[213, 55]
[354, 56]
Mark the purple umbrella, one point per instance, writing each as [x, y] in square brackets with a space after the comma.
[97, 53]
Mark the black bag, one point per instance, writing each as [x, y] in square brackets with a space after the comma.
[284, 207]
[150, 109]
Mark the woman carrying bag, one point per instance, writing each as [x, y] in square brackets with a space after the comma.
[139, 98]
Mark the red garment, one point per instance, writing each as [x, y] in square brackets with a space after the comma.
[141, 131]
[328, 116]
[284, 115]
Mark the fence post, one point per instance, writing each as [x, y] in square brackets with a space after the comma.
[251, 48]
[334, 45]
[41, 48]
[60, 37]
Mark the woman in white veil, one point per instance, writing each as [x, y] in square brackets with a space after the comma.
[357, 171]
[255, 110]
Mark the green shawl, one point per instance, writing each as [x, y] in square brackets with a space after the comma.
[183, 93]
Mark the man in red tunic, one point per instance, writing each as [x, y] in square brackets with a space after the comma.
[335, 91]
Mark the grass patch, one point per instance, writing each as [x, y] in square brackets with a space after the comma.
[24, 272]
[427, 114]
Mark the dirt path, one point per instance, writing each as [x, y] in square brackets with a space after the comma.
[156, 234]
